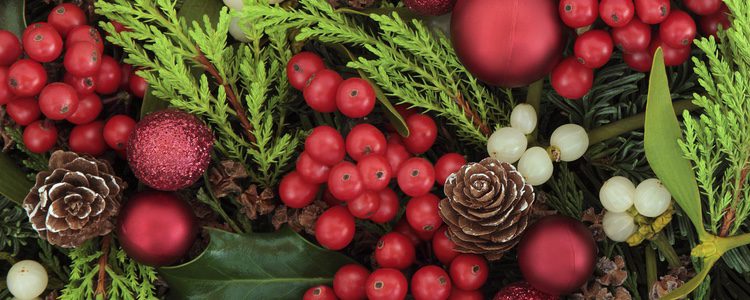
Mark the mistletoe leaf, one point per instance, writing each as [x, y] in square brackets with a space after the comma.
[13, 16]
[13, 182]
[279, 265]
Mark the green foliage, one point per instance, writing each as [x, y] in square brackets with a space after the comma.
[15, 229]
[34, 161]
[565, 197]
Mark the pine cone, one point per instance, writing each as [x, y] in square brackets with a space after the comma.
[76, 201]
[488, 207]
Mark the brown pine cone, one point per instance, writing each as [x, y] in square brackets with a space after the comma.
[488, 207]
[76, 201]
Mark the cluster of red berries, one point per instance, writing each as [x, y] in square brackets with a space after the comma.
[28, 93]
[638, 28]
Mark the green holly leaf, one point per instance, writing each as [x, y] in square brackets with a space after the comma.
[279, 265]
[13, 182]
[13, 16]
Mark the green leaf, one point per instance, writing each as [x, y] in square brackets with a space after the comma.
[151, 103]
[662, 133]
[688, 287]
[193, 10]
[13, 182]
[279, 265]
[13, 16]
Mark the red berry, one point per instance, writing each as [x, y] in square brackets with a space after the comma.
[365, 205]
[616, 13]
[639, 61]
[355, 98]
[593, 48]
[89, 107]
[88, 139]
[469, 271]
[301, 67]
[109, 76]
[58, 101]
[446, 165]
[389, 206]
[422, 133]
[430, 282]
[678, 30]
[365, 139]
[82, 59]
[27, 31]
[652, 11]
[443, 247]
[295, 192]
[416, 177]
[5, 94]
[40, 136]
[117, 131]
[395, 250]
[345, 182]
[571, 79]
[85, 33]
[349, 282]
[311, 170]
[672, 56]
[10, 48]
[137, 85]
[320, 91]
[386, 284]
[579, 13]
[125, 70]
[375, 171]
[459, 294]
[321, 292]
[65, 17]
[396, 155]
[26, 78]
[703, 7]
[326, 145]
[23, 111]
[404, 228]
[404, 110]
[118, 26]
[335, 228]
[82, 85]
[710, 23]
[632, 37]
[422, 213]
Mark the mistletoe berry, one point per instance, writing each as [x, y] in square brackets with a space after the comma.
[507, 144]
[651, 198]
[617, 194]
[27, 279]
[618, 226]
[536, 166]
[523, 117]
[569, 142]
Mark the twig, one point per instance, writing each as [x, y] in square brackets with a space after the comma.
[102, 277]
[471, 114]
[732, 209]
[622, 126]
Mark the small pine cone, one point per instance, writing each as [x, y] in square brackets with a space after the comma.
[488, 207]
[75, 201]
[360, 4]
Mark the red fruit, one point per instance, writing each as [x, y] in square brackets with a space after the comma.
[703, 7]
[349, 282]
[425, 235]
[672, 56]
[345, 182]
[388, 208]
[363, 140]
[40, 136]
[295, 192]
[422, 213]
[33, 26]
[311, 170]
[443, 247]
[632, 37]
[125, 70]
[355, 98]
[571, 79]
[375, 171]
[82, 59]
[710, 23]
[416, 177]
[326, 145]
[26, 78]
[10, 48]
[137, 85]
[422, 133]
[58, 101]
[469, 271]
[579, 13]
[652, 11]
[639, 61]
[335, 228]
[404, 228]
[395, 250]
[301, 67]
[82, 85]
[117, 131]
[678, 30]
[43, 44]
[430, 283]
[404, 110]
[593, 48]
[446, 165]
[616, 13]
[459, 294]
[5, 94]
[88, 139]
[23, 111]
[109, 76]
[386, 284]
[320, 91]
[89, 107]
[321, 292]
[365, 205]
[396, 155]
[85, 33]
[65, 17]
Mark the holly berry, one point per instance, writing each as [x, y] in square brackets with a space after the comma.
[443, 247]
[320, 91]
[446, 165]
[616, 13]
[386, 284]
[82, 59]
[23, 111]
[593, 48]
[430, 282]
[109, 76]
[469, 271]
[117, 131]
[710, 23]
[678, 30]
[703, 7]
[85, 33]
[349, 282]
[40, 136]
[295, 192]
[422, 213]
[301, 67]
[345, 182]
[10, 48]
[672, 56]
[320, 292]
[404, 228]
[652, 11]
[136, 84]
[28, 29]
[395, 250]
[326, 145]
[422, 133]
[65, 17]
[82, 85]
[58, 101]
[639, 61]
[579, 13]
[571, 79]
[43, 44]
[334, 229]
[311, 170]
[88, 139]
[375, 171]
[396, 154]
[355, 98]
[389, 206]
[5, 94]
[416, 177]
[26, 78]
[459, 294]
[365, 205]
[365, 139]
[633, 37]
[89, 108]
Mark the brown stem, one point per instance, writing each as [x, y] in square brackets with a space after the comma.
[102, 278]
[471, 114]
[731, 210]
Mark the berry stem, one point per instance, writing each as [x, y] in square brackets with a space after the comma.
[614, 129]
[101, 281]
[731, 210]
[651, 270]
[471, 114]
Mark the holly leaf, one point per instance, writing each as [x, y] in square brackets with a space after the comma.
[13, 16]
[278, 265]
[13, 182]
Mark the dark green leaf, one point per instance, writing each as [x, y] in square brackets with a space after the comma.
[151, 103]
[12, 16]
[279, 265]
[13, 182]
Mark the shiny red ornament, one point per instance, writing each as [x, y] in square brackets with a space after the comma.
[557, 255]
[156, 228]
[509, 43]
[522, 291]
[430, 7]
[169, 149]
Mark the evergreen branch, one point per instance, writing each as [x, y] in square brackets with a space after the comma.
[35, 161]
[102, 278]
[15, 229]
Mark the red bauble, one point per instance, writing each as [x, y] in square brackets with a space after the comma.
[156, 228]
[169, 150]
[509, 43]
[522, 291]
[430, 7]
[557, 255]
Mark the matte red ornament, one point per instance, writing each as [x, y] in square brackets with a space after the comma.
[522, 291]
[430, 7]
[156, 228]
[557, 255]
[509, 43]
[169, 149]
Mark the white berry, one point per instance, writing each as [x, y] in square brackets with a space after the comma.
[523, 118]
[27, 279]
[234, 4]
[571, 140]
[618, 226]
[236, 31]
[617, 194]
[652, 198]
[507, 144]
[536, 166]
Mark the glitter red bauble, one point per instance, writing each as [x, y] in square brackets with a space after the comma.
[156, 228]
[509, 43]
[430, 7]
[522, 291]
[557, 255]
[169, 149]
